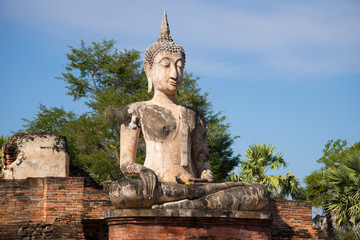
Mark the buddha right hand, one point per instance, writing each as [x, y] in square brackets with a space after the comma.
[150, 180]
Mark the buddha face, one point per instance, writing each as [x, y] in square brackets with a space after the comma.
[166, 73]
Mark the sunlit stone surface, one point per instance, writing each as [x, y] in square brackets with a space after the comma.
[35, 155]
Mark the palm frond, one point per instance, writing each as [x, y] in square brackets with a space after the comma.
[345, 204]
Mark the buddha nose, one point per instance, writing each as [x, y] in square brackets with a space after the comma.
[173, 72]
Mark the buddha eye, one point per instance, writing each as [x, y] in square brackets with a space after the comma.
[165, 62]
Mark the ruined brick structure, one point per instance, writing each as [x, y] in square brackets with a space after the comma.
[35, 154]
[191, 228]
[73, 208]
[71, 205]
[52, 208]
[293, 220]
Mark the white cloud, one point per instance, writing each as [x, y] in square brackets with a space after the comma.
[278, 34]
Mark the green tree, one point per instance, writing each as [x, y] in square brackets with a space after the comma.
[334, 153]
[320, 189]
[3, 139]
[317, 188]
[261, 159]
[345, 200]
[107, 79]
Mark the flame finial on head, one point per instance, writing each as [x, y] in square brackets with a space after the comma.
[164, 30]
[164, 43]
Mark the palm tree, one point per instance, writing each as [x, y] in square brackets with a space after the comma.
[261, 159]
[319, 191]
[289, 185]
[345, 203]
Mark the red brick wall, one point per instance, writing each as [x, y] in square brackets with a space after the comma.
[188, 228]
[70, 208]
[292, 220]
[58, 208]
[95, 202]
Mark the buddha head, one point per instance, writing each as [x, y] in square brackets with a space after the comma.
[164, 62]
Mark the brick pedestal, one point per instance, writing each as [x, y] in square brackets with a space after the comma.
[187, 224]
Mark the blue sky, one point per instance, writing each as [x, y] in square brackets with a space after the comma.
[285, 73]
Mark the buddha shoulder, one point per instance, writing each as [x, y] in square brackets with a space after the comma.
[191, 112]
[157, 123]
[194, 117]
[130, 115]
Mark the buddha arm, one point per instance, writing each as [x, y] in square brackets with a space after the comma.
[128, 146]
[200, 151]
[129, 137]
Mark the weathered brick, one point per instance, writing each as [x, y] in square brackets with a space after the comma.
[67, 208]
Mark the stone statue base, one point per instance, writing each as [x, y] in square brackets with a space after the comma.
[187, 223]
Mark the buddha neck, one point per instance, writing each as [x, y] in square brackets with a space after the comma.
[164, 99]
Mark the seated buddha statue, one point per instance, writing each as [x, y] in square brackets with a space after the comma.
[176, 146]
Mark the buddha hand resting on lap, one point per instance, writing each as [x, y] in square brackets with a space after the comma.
[176, 146]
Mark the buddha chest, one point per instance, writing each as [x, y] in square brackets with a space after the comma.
[162, 124]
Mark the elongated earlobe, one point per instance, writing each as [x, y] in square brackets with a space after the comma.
[147, 71]
[149, 85]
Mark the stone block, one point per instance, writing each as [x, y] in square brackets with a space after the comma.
[35, 155]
